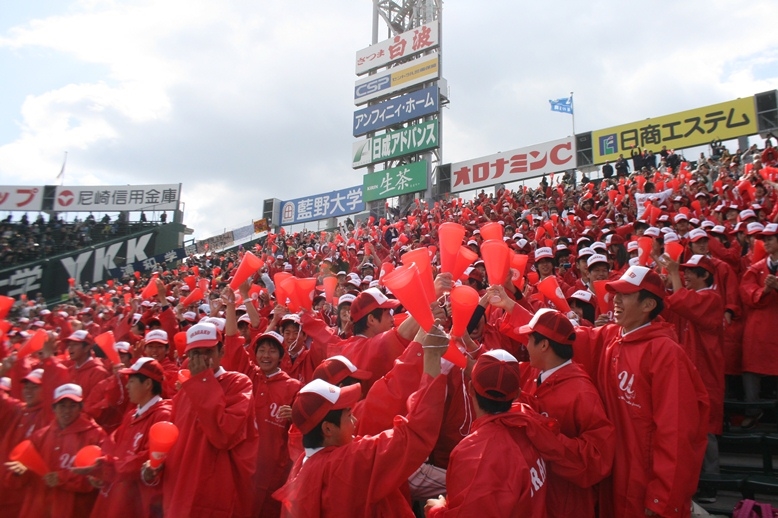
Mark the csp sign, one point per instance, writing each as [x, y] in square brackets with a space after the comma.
[397, 78]
[696, 127]
[396, 181]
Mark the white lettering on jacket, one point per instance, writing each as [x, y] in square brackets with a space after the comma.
[537, 476]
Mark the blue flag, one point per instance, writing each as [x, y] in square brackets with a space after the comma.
[564, 105]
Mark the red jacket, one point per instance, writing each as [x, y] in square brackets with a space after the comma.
[702, 314]
[759, 338]
[375, 354]
[582, 455]
[74, 496]
[656, 400]
[125, 451]
[363, 478]
[273, 463]
[88, 375]
[17, 423]
[107, 402]
[495, 471]
[208, 473]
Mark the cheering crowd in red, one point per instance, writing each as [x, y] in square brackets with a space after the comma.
[557, 351]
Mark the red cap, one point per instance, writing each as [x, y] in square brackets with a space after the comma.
[638, 278]
[700, 261]
[496, 376]
[369, 300]
[149, 367]
[552, 324]
[337, 368]
[317, 398]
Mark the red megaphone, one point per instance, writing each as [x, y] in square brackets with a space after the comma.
[249, 265]
[405, 284]
[385, 269]
[105, 342]
[162, 436]
[330, 284]
[6, 303]
[184, 375]
[421, 257]
[304, 292]
[645, 245]
[450, 236]
[179, 339]
[496, 255]
[464, 299]
[195, 295]
[465, 257]
[33, 345]
[603, 297]
[759, 251]
[281, 294]
[289, 285]
[151, 288]
[550, 289]
[519, 265]
[492, 230]
[674, 250]
[87, 456]
[26, 453]
[191, 281]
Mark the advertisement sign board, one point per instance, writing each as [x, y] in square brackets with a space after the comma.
[515, 165]
[413, 139]
[405, 179]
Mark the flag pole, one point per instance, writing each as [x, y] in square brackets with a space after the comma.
[61, 174]
[572, 112]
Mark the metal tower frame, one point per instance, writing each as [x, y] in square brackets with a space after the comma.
[401, 16]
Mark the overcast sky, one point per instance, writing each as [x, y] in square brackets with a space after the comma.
[246, 100]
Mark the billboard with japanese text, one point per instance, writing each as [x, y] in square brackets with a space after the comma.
[424, 37]
[685, 129]
[322, 206]
[511, 166]
[397, 78]
[393, 144]
[115, 198]
[406, 179]
[407, 107]
[21, 197]
[142, 251]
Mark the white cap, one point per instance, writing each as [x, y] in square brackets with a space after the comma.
[68, 391]
[543, 253]
[78, 336]
[596, 258]
[157, 335]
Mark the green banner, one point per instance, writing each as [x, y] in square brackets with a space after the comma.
[393, 144]
[395, 181]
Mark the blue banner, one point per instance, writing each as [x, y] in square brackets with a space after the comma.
[149, 264]
[395, 111]
[322, 206]
[564, 105]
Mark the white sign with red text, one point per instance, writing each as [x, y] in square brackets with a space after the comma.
[21, 197]
[511, 166]
[420, 39]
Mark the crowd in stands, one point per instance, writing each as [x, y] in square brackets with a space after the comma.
[24, 241]
[602, 396]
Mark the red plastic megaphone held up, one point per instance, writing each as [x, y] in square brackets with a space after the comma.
[162, 437]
